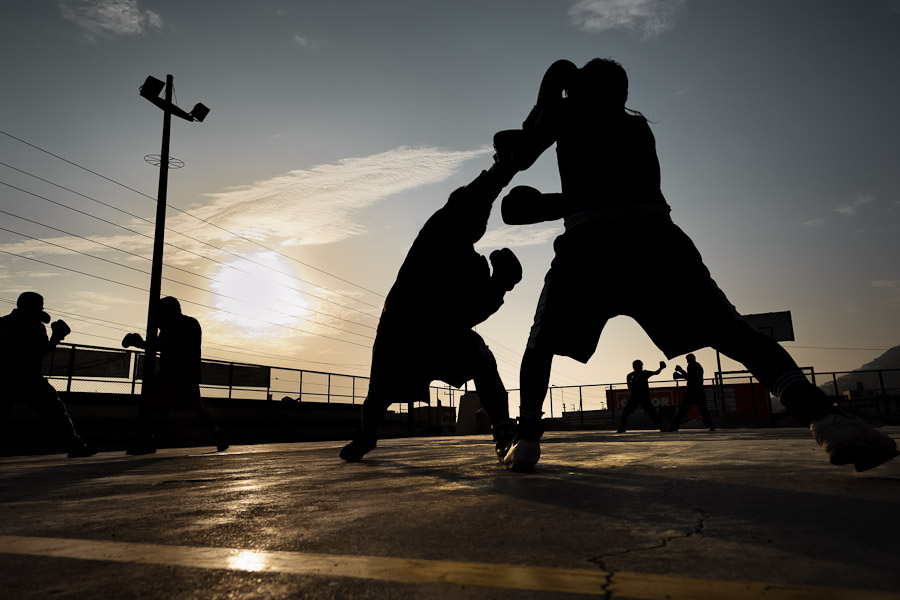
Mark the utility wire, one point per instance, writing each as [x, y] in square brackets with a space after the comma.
[92, 216]
[199, 241]
[112, 262]
[519, 355]
[74, 164]
[150, 260]
[185, 300]
[87, 239]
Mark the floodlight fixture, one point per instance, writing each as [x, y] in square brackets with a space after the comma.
[199, 112]
[152, 87]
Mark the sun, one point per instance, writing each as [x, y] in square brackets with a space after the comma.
[258, 297]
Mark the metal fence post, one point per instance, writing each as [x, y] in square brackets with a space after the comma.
[133, 371]
[353, 390]
[612, 409]
[328, 392]
[300, 391]
[230, 377]
[551, 401]
[72, 368]
[581, 404]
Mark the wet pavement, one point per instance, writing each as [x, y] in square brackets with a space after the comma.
[643, 515]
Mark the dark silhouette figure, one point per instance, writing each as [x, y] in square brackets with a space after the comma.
[610, 179]
[23, 343]
[639, 384]
[423, 336]
[176, 385]
[694, 395]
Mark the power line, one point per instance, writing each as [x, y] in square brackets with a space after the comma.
[194, 216]
[87, 239]
[185, 300]
[150, 260]
[92, 216]
[199, 241]
[112, 262]
[519, 355]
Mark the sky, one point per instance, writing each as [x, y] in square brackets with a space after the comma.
[338, 127]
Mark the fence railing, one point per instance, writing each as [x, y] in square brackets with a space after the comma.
[97, 369]
[83, 368]
[873, 393]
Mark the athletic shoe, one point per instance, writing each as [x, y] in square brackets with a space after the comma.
[220, 441]
[848, 439]
[141, 447]
[361, 445]
[503, 438]
[523, 455]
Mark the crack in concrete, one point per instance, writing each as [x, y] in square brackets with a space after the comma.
[698, 529]
[607, 593]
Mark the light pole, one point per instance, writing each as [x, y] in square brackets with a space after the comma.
[151, 90]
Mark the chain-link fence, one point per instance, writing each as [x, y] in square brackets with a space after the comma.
[735, 397]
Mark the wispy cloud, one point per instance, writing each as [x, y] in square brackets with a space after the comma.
[518, 236]
[99, 18]
[71, 245]
[817, 222]
[306, 42]
[90, 301]
[318, 205]
[851, 208]
[647, 17]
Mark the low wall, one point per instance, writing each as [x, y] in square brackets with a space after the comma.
[108, 421]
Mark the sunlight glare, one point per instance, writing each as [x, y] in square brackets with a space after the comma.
[259, 297]
[247, 560]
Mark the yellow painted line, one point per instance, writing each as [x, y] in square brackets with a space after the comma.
[638, 586]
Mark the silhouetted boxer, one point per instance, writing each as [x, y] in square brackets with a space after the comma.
[23, 343]
[176, 385]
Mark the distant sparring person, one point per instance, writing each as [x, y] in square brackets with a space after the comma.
[424, 335]
[23, 344]
[639, 384]
[176, 385]
[616, 220]
[694, 395]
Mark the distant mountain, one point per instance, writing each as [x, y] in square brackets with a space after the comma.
[870, 380]
[888, 360]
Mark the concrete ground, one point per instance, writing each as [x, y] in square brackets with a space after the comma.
[643, 515]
